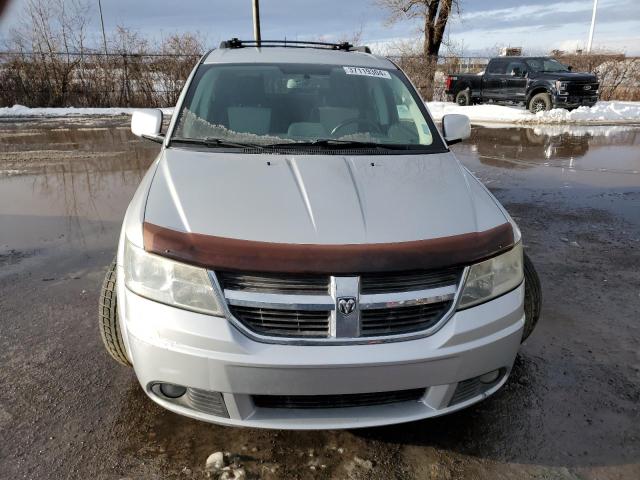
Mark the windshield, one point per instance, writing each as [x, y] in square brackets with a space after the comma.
[298, 105]
[546, 65]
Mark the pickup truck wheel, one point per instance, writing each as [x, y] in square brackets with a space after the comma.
[532, 297]
[463, 98]
[108, 318]
[540, 102]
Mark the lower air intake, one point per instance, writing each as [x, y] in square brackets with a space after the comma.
[208, 402]
[472, 387]
[466, 390]
[337, 401]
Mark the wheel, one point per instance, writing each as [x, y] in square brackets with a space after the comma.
[108, 318]
[463, 97]
[540, 102]
[532, 297]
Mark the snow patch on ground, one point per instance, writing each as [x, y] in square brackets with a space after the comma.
[22, 111]
[603, 113]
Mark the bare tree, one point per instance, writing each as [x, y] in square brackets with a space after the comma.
[181, 51]
[51, 30]
[433, 16]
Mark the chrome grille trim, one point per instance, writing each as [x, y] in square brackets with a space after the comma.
[449, 294]
[327, 302]
[405, 299]
[275, 283]
[279, 301]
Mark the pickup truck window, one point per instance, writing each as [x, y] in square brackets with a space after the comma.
[546, 65]
[515, 67]
[497, 67]
[299, 104]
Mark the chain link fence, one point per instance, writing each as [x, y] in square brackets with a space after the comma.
[64, 79]
[92, 79]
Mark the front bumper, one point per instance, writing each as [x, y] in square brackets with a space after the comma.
[574, 101]
[207, 353]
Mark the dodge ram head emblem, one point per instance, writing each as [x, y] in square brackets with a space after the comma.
[587, 87]
[346, 305]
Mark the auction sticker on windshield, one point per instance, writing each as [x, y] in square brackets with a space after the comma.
[367, 72]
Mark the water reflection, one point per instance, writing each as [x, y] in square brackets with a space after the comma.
[70, 183]
[568, 147]
[63, 185]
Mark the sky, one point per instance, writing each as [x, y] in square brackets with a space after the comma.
[481, 28]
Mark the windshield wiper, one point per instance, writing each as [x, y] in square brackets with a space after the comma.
[214, 142]
[333, 142]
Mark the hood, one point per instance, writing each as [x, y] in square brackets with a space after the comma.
[317, 199]
[567, 76]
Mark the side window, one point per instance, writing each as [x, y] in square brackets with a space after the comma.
[516, 66]
[497, 67]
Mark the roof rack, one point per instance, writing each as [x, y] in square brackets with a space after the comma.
[344, 46]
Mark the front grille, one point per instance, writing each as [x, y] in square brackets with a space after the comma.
[576, 88]
[408, 281]
[275, 283]
[399, 320]
[288, 323]
[308, 306]
[337, 401]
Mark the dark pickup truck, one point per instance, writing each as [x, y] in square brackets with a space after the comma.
[540, 83]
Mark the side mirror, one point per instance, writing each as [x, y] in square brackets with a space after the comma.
[147, 124]
[569, 67]
[455, 128]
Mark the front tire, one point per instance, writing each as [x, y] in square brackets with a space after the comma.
[532, 297]
[108, 322]
[463, 97]
[540, 102]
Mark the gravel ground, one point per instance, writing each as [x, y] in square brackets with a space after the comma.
[571, 409]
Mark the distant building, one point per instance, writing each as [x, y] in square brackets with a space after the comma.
[511, 51]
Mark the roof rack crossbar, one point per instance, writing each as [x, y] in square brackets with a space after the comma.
[237, 43]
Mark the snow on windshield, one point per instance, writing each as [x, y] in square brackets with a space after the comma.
[270, 103]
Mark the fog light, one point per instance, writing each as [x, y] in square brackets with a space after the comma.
[490, 377]
[172, 391]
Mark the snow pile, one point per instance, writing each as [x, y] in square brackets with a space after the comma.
[479, 113]
[22, 111]
[603, 113]
[606, 131]
[606, 113]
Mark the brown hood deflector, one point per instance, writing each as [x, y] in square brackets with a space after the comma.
[246, 255]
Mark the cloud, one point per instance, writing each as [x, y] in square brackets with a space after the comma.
[534, 24]
[550, 14]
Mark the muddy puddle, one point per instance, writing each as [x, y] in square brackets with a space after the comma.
[68, 183]
[558, 155]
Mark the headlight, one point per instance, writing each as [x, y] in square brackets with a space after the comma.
[163, 280]
[561, 87]
[492, 278]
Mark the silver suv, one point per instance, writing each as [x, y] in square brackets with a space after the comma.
[307, 253]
